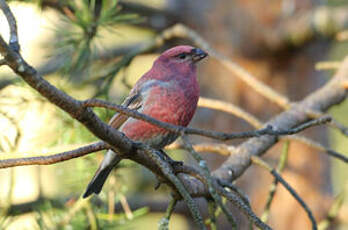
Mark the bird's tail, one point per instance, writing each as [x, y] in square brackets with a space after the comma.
[96, 184]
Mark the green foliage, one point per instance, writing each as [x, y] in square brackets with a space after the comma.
[76, 36]
[107, 78]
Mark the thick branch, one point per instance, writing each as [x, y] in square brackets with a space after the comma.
[73, 107]
[332, 93]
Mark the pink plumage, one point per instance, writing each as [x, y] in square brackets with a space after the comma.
[169, 92]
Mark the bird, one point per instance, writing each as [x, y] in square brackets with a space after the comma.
[168, 92]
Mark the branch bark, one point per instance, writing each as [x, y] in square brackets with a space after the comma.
[52, 159]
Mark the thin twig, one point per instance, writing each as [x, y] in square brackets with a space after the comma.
[245, 208]
[333, 123]
[235, 199]
[125, 206]
[222, 149]
[272, 190]
[111, 197]
[164, 221]
[268, 130]
[208, 178]
[78, 205]
[327, 65]
[93, 221]
[260, 162]
[18, 130]
[212, 211]
[226, 150]
[229, 108]
[333, 212]
[168, 173]
[236, 190]
[321, 147]
[52, 159]
[13, 43]
[336, 124]
[11, 148]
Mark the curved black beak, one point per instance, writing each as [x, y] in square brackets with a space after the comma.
[198, 54]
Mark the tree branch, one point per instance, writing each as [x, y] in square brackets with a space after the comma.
[260, 162]
[52, 159]
[12, 24]
[70, 105]
[330, 94]
[235, 199]
[164, 221]
[167, 171]
[320, 147]
[268, 130]
[333, 211]
[229, 108]
[272, 189]
[209, 180]
[327, 65]
[333, 123]
[235, 110]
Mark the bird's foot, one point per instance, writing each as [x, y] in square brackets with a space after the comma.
[172, 162]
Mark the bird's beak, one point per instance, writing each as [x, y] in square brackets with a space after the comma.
[198, 54]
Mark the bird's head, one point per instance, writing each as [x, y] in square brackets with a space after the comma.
[181, 57]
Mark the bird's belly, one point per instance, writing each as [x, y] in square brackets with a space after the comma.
[169, 107]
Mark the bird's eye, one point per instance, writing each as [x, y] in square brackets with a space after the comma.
[182, 56]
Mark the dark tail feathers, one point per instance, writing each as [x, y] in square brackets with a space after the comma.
[96, 184]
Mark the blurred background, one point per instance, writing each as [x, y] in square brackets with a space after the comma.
[91, 49]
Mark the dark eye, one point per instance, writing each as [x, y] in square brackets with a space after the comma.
[182, 56]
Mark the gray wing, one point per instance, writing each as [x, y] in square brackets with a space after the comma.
[133, 101]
